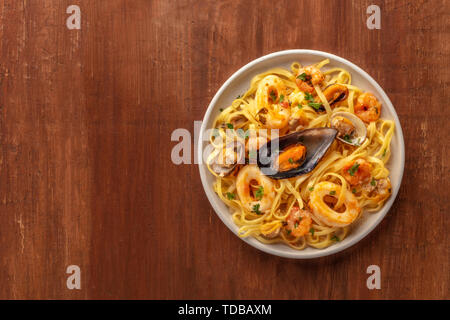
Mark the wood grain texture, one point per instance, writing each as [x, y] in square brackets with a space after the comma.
[85, 171]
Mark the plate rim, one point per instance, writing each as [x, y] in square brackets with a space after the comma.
[299, 254]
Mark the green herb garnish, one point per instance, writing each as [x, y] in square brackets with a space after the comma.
[384, 152]
[296, 225]
[315, 105]
[347, 138]
[273, 96]
[335, 238]
[230, 196]
[299, 105]
[290, 160]
[259, 193]
[354, 190]
[288, 231]
[312, 231]
[302, 76]
[256, 209]
[243, 134]
[311, 189]
[230, 126]
[332, 193]
[353, 169]
[373, 182]
[309, 97]
[281, 98]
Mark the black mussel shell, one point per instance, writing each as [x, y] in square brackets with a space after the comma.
[316, 140]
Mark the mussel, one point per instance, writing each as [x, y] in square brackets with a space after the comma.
[225, 160]
[295, 154]
[351, 129]
[335, 93]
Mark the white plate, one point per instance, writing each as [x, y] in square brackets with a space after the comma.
[239, 83]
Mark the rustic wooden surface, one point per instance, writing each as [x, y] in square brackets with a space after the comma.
[85, 171]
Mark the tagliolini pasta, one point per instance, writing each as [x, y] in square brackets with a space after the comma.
[316, 209]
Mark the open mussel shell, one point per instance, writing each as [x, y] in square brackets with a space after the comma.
[316, 142]
[228, 158]
[355, 136]
[335, 93]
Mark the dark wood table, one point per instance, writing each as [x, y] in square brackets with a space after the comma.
[86, 118]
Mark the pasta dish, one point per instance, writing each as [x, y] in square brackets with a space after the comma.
[300, 156]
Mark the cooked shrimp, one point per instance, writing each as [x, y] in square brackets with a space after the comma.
[335, 217]
[298, 222]
[308, 77]
[367, 107]
[357, 172]
[277, 118]
[255, 190]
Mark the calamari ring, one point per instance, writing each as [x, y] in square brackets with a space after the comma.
[326, 214]
[247, 175]
[269, 91]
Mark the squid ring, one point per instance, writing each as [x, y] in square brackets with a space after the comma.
[327, 215]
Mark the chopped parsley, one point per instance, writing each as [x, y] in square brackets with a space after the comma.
[230, 196]
[384, 152]
[315, 105]
[281, 98]
[273, 96]
[309, 97]
[296, 225]
[288, 231]
[243, 134]
[373, 182]
[332, 193]
[312, 231]
[299, 105]
[335, 238]
[347, 138]
[290, 160]
[353, 169]
[354, 190]
[256, 209]
[259, 193]
[302, 76]
[311, 189]
[230, 126]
